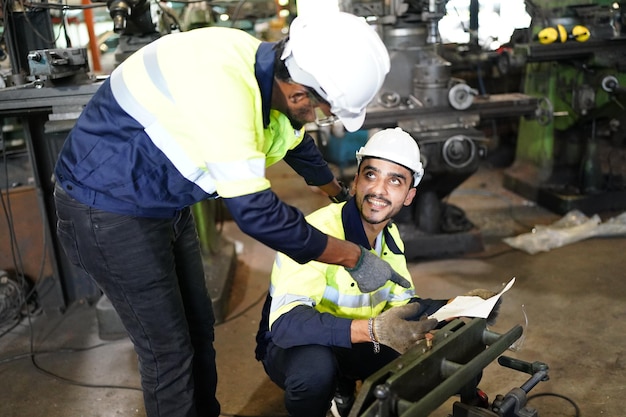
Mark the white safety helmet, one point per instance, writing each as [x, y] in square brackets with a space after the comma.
[397, 146]
[342, 58]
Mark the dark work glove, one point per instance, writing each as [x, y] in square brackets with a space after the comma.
[485, 294]
[344, 194]
[392, 327]
[371, 272]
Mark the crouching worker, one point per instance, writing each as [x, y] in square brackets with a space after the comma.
[319, 333]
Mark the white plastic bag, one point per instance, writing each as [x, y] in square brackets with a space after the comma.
[572, 227]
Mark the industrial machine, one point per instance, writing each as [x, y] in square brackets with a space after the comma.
[577, 158]
[449, 365]
[442, 113]
[133, 21]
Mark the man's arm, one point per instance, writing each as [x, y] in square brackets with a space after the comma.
[263, 216]
[283, 228]
[340, 252]
[303, 325]
[307, 160]
[359, 332]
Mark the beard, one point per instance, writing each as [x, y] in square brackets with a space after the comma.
[299, 118]
[374, 217]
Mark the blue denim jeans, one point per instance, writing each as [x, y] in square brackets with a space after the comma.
[152, 272]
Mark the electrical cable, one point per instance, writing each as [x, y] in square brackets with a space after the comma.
[77, 383]
[552, 394]
[33, 355]
[6, 205]
[57, 6]
[235, 16]
[244, 311]
[17, 260]
[19, 356]
[11, 295]
[63, 24]
[34, 7]
[480, 192]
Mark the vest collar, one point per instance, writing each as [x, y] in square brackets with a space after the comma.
[264, 73]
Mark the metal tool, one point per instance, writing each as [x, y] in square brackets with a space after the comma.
[451, 363]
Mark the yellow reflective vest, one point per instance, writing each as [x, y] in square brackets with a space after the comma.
[330, 288]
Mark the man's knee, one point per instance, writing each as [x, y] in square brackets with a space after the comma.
[309, 392]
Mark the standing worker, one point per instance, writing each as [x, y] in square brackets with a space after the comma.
[320, 333]
[199, 115]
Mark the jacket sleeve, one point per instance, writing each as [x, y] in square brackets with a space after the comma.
[264, 217]
[307, 160]
[303, 325]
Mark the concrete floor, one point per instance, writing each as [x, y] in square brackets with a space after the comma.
[574, 296]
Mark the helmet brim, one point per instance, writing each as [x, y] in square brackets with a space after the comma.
[353, 123]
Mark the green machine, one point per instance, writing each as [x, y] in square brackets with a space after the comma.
[573, 154]
[450, 365]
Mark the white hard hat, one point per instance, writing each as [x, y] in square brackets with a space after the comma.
[397, 146]
[342, 58]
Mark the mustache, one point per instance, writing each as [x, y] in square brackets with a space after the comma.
[377, 197]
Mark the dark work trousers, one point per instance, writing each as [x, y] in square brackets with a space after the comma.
[311, 374]
[152, 272]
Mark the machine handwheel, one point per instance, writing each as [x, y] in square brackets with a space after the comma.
[461, 96]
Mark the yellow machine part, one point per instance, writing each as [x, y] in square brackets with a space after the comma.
[580, 33]
[559, 33]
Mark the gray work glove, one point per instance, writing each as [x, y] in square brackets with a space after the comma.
[391, 328]
[485, 294]
[371, 272]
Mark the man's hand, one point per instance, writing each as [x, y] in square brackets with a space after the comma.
[485, 294]
[371, 272]
[344, 194]
[391, 328]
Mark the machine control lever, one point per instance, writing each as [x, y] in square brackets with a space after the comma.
[523, 366]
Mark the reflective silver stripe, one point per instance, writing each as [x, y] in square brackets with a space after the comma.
[383, 295]
[168, 145]
[151, 63]
[356, 301]
[287, 299]
[349, 301]
[333, 296]
[238, 170]
[160, 136]
[125, 99]
[406, 295]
